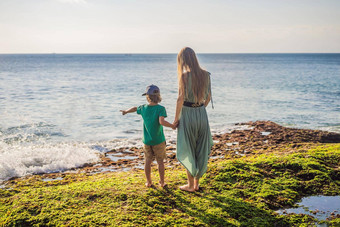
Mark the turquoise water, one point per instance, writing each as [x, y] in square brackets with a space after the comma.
[59, 111]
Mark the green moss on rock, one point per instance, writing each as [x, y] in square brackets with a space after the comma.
[236, 192]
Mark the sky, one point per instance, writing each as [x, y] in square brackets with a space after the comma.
[165, 26]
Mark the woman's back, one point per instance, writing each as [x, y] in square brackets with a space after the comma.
[189, 94]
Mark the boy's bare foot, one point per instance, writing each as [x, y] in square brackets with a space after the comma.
[197, 187]
[187, 188]
[149, 185]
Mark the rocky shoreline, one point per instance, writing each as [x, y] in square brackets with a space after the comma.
[259, 137]
[255, 176]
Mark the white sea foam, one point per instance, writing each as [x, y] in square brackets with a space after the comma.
[222, 129]
[21, 160]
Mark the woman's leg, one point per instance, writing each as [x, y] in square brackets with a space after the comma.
[196, 184]
[190, 186]
[204, 144]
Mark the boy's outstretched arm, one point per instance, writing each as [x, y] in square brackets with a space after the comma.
[165, 123]
[130, 110]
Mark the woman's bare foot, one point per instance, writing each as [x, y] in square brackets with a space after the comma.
[197, 187]
[187, 188]
[162, 184]
[149, 185]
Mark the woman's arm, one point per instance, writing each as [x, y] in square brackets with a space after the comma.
[179, 105]
[130, 110]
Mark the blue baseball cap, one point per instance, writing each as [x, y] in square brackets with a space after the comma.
[151, 90]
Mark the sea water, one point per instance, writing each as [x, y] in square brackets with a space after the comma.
[59, 111]
[320, 207]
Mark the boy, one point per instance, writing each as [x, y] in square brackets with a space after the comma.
[153, 137]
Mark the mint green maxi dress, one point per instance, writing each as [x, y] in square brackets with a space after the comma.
[194, 140]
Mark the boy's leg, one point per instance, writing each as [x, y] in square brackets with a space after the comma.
[160, 154]
[147, 170]
[147, 166]
[161, 171]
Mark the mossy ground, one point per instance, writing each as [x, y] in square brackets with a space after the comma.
[241, 191]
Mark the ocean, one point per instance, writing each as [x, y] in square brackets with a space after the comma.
[59, 111]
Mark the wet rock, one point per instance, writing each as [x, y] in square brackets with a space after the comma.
[170, 148]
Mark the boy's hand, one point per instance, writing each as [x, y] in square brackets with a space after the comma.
[175, 123]
[131, 110]
[173, 126]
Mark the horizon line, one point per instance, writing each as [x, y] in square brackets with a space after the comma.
[127, 53]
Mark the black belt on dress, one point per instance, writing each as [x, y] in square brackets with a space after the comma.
[192, 104]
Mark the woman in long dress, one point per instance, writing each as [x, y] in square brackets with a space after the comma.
[194, 139]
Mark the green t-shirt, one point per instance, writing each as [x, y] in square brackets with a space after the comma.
[152, 130]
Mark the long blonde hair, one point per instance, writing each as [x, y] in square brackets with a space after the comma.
[187, 62]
